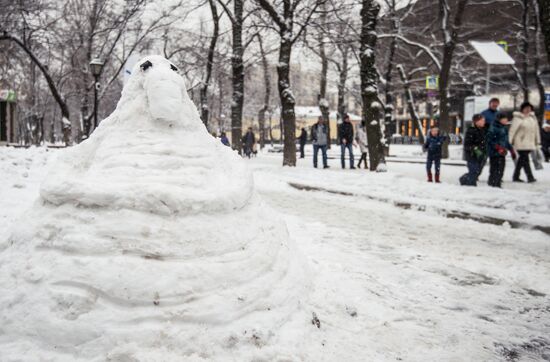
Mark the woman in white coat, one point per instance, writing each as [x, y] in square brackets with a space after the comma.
[525, 137]
[361, 139]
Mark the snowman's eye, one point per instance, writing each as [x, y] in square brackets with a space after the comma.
[146, 65]
[173, 67]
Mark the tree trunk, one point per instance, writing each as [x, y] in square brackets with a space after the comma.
[237, 77]
[261, 125]
[267, 95]
[287, 101]
[281, 130]
[369, 82]
[85, 119]
[51, 84]
[445, 123]
[410, 102]
[388, 109]
[450, 39]
[525, 50]
[544, 16]
[342, 79]
[209, 63]
[285, 24]
[538, 56]
[270, 132]
[221, 115]
[324, 105]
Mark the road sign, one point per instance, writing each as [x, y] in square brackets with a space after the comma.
[547, 106]
[503, 44]
[432, 82]
[7, 95]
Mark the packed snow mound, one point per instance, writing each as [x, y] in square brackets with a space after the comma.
[149, 240]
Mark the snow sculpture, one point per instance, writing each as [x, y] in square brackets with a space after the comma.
[148, 242]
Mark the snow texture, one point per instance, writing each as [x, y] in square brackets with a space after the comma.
[368, 52]
[370, 89]
[323, 103]
[149, 239]
[395, 280]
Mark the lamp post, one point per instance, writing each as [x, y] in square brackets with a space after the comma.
[222, 122]
[96, 66]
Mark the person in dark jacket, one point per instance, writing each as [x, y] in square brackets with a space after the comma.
[249, 139]
[303, 140]
[497, 148]
[319, 139]
[346, 141]
[545, 141]
[433, 146]
[225, 140]
[475, 146]
[490, 113]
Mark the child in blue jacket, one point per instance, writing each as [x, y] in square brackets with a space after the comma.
[498, 146]
[433, 146]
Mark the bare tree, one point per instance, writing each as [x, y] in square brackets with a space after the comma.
[205, 111]
[524, 48]
[267, 95]
[285, 23]
[369, 82]
[322, 97]
[237, 18]
[410, 99]
[544, 16]
[388, 96]
[450, 31]
[51, 84]
[537, 62]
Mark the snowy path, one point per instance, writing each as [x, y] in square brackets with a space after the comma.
[422, 286]
[388, 283]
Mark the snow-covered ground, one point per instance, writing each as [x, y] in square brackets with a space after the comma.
[399, 269]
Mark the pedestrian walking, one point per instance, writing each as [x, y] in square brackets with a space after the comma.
[319, 139]
[346, 141]
[433, 146]
[225, 140]
[524, 137]
[498, 146]
[303, 140]
[490, 113]
[474, 150]
[363, 144]
[249, 139]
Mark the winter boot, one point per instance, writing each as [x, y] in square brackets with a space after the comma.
[430, 178]
[437, 180]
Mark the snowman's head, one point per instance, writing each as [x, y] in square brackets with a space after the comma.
[156, 81]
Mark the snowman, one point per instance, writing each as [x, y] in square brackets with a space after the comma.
[149, 239]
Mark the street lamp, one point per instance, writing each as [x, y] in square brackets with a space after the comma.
[222, 122]
[96, 66]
